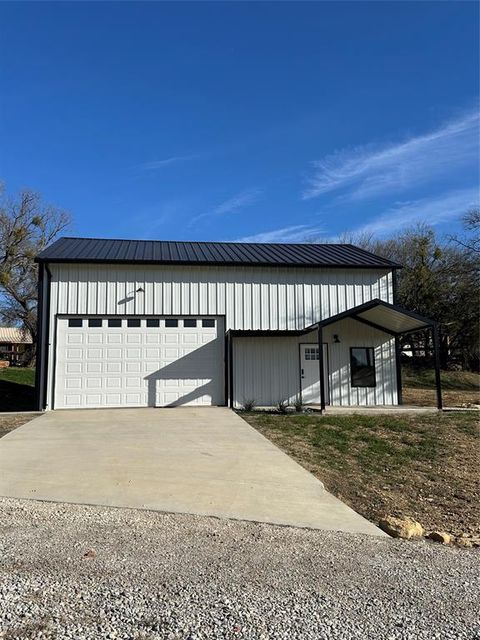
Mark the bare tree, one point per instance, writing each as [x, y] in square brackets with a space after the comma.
[27, 225]
[471, 224]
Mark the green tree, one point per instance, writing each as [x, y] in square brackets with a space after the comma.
[440, 280]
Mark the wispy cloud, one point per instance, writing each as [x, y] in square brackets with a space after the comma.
[372, 170]
[240, 200]
[293, 233]
[165, 162]
[435, 211]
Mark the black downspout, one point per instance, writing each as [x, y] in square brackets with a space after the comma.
[39, 371]
[436, 353]
[322, 372]
[43, 332]
[398, 349]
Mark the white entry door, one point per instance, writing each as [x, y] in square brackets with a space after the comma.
[310, 373]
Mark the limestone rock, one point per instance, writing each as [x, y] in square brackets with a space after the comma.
[406, 528]
[440, 536]
[464, 542]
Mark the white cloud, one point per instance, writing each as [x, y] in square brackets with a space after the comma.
[371, 170]
[295, 233]
[231, 205]
[159, 164]
[434, 211]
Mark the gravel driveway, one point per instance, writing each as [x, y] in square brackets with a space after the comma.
[158, 576]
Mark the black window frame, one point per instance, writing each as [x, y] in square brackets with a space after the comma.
[192, 323]
[114, 323]
[153, 323]
[354, 384]
[130, 322]
[94, 323]
[171, 323]
[208, 323]
[75, 323]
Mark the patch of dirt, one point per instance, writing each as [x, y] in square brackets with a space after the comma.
[9, 423]
[451, 398]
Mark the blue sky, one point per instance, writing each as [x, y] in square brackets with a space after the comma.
[228, 121]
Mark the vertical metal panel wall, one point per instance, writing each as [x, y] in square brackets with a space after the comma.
[267, 370]
[250, 298]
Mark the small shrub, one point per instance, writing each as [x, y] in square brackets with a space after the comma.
[298, 404]
[282, 406]
[249, 404]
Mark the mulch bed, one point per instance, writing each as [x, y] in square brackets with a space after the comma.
[9, 423]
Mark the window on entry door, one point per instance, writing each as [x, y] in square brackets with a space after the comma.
[312, 353]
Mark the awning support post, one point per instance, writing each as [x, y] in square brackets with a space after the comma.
[436, 355]
[322, 372]
[230, 368]
[398, 369]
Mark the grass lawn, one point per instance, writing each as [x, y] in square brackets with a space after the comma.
[458, 387]
[17, 389]
[423, 466]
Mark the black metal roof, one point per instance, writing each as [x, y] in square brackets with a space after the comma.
[96, 250]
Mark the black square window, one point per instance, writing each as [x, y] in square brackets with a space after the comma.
[153, 322]
[362, 367]
[75, 322]
[208, 322]
[94, 322]
[190, 322]
[114, 322]
[171, 322]
[133, 322]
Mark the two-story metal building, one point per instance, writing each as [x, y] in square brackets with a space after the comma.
[126, 323]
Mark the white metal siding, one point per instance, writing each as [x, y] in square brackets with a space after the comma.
[354, 334]
[267, 369]
[248, 298]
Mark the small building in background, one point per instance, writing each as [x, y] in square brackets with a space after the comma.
[13, 343]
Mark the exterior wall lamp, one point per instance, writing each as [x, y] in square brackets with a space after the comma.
[336, 339]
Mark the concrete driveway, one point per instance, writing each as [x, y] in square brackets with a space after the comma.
[205, 461]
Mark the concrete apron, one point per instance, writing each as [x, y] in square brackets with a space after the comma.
[205, 461]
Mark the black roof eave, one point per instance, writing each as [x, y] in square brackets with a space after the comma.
[210, 263]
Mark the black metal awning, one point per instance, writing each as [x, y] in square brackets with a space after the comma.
[378, 314]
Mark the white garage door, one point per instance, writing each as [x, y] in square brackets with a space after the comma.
[139, 362]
